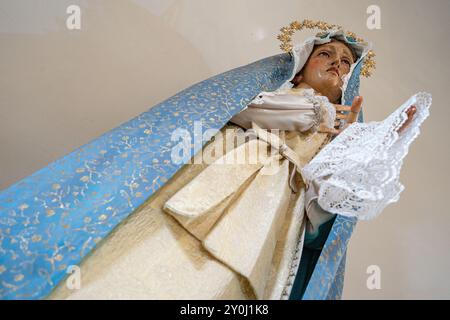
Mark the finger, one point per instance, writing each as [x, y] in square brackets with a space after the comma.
[340, 107]
[410, 112]
[341, 116]
[332, 131]
[354, 110]
[337, 123]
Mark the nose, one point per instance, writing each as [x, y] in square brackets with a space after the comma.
[336, 62]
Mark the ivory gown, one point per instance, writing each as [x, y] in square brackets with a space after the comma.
[239, 237]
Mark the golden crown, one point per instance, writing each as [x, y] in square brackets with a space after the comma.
[286, 39]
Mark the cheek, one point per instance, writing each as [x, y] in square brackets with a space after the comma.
[314, 67]
[317, 68]
[316, 63]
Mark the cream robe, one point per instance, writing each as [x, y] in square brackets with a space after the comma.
[212, 232]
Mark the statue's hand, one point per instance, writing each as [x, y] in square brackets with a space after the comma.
[410, 112]
[352, 116]
[348, 119]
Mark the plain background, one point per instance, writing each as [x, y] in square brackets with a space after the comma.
[61, 88]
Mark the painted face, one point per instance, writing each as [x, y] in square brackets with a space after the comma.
[326, 67]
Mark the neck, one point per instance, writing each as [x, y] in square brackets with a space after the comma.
[330, 95]
[303, 85]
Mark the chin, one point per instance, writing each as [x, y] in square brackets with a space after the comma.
[334, 93]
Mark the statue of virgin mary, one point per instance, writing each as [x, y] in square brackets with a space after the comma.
[259, 203]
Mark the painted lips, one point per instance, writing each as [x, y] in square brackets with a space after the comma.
[333, 70]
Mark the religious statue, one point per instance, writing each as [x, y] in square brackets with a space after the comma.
[284, 170]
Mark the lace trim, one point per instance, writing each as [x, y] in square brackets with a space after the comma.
[323, 105]
[296, 255]
[358, 172]
[293, 269]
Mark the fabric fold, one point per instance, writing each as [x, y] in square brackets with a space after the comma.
[199, 204]
[245, 237]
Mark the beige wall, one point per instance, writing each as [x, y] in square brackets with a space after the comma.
[59, 89]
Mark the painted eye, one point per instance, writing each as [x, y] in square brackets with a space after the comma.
[347, 62]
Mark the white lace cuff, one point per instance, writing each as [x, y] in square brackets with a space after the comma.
[327, 109]
[358, 172]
